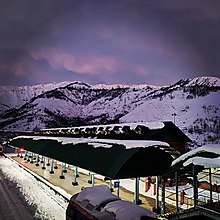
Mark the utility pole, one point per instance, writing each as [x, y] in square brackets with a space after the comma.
[174, 115]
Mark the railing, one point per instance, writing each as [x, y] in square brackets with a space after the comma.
[188, 200]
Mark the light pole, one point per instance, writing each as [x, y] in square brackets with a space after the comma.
[174, 115]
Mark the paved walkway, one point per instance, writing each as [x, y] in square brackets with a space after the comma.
[82, 180]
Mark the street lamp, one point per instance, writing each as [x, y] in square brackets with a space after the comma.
[174, 115]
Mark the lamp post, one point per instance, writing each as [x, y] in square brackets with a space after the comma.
[174, 115]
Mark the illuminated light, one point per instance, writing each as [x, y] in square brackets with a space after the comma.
[21, 150]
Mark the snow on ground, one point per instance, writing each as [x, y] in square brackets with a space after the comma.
[51, 206]
[203, 195]
[48, 204]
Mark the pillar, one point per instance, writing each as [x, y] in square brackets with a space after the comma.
[110, 185]
[55, 165]
[76, 171]
[38, 160]
[48, 161]
[64, 168]
[21, 154]
[43, 165]
[75, 183]
[147, 184]
[90, 178]
[32, 158]
[51, 168]
[163, 196]
[157, 193]
[93, 179]
[195, 186]
[42, 159]
[118, 188]
[136, 191]
[25, 155]
[28, 157]
[177, 192]
[210, 182]
[62, 172]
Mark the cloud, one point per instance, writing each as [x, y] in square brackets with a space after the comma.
[110, 41]
[81, 64]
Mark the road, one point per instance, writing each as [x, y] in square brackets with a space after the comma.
[11, 205]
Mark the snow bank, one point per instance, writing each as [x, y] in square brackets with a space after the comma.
[48, 204]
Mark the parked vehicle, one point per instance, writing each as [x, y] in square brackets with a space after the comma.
[98, 203]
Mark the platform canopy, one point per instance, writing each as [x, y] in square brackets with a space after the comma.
[115, 159]
[206, 156]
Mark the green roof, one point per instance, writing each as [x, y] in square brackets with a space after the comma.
[111, 158]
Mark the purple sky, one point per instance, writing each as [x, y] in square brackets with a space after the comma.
[108, 41]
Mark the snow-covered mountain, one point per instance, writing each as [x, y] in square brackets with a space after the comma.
[193, 105]
[13, 97]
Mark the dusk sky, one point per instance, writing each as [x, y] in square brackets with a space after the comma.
[108, 41]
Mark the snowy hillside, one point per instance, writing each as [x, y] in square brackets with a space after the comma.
[11, 96]
[195, 104]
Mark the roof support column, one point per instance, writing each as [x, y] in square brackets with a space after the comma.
[28, 156]
[48, 161]
[25, 155]
[62, 171]
[55, 164]
[110, 185]
[75, 183]
[177, 192]
[163, 196]
[64, 168]
[37, 161]
[32, 158]
[52, 166]
[157, 193]
[21, 154]
[93, 179]
[42, 159]
[43, 166]
[210, 181]
[136, 191]
[195, 186]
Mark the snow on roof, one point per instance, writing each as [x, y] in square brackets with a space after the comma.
[106, 143]
[96, 195]
[127, 210]
[150, 125]
[210, 148]
[206, 162]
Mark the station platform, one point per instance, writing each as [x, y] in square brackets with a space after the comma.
[82, 180]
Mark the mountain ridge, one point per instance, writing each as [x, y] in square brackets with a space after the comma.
[194, 101]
